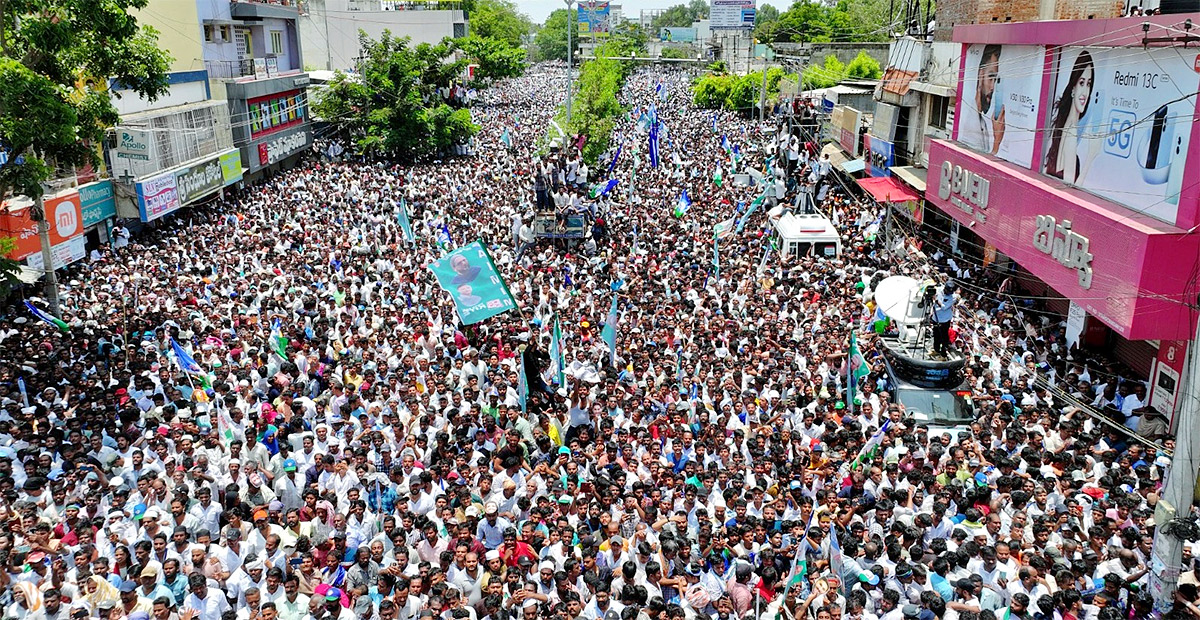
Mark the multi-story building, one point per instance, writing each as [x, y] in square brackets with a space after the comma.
[255, 61]
[178, 140]
[330, 28]
[1063, 155]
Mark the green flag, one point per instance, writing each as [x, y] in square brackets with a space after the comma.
[558, 366]
[609, 333]
[405, 225]
[279, 342]
[717, 180]
[856, 371]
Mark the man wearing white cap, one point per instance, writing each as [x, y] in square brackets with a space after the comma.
[491, 529]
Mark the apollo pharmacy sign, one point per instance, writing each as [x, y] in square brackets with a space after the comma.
[133, 144]
[964, 189]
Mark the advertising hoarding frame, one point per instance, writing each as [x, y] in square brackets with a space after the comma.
[674, 34]
[1127, 138]
[732, 14]
[1010, 93]
[594, 18]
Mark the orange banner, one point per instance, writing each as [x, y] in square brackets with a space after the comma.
[64, 213]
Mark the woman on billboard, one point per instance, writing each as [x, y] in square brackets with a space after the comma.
[1070, 154]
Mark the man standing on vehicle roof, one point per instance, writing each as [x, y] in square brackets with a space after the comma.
[943, 314]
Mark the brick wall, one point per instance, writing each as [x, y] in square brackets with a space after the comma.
[1088, 9]
[951, 13]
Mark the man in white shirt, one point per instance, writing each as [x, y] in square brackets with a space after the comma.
[208, 605]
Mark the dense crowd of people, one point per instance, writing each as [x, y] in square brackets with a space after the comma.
[352, 450]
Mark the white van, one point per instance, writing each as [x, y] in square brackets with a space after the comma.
[807, 234]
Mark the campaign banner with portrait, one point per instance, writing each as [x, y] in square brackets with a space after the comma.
[473, 281]
[1001, 95]
[594, 18]
[1119, 122]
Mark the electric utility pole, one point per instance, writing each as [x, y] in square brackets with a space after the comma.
[1176, 498]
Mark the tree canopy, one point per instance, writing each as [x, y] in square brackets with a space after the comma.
[56, 57]
[394, 108]
[810, 21]
[500, 20]
[680, 15]
[735, 92]
[833, 71]
[551, 38]
[495, 58]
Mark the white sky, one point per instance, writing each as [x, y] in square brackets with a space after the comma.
[538, 10]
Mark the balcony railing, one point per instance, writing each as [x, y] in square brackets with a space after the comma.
[244, 70]
[229, 69]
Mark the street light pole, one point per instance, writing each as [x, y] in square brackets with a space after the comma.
[762, 95]
[39, 215]
[571, 25]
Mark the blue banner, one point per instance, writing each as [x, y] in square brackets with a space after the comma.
[473, 281]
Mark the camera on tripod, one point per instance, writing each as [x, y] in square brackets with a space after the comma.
[928, 295]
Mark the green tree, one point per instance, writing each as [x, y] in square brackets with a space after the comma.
[765, 21]
[496, 59]
[824, 75]
[867, 20]
[805, 21]
[735, 92]
[500, 20]
[391, 108]
[864, 66]
[680, 15]
[595, 105]
[811, 21]
[50, 50]
[551, 38]
[711, 91]
[744, 93]
[629, 38]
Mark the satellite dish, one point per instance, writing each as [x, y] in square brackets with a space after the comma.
[895, 295]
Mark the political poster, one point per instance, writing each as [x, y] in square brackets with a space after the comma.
[473, 281]
[1001, 95]
[1120, 122]
[593, 18]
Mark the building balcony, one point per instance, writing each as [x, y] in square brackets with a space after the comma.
[247, 69]
[259, 9]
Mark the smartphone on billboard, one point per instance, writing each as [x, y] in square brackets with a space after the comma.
[1158, 127]
[997, 100]
[1175, 175]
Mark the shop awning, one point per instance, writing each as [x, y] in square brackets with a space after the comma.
[837, 156]
[857, 165]
[887, 189]
[912, 175]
